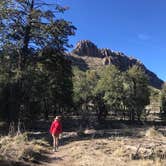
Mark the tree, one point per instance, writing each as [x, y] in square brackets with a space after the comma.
[31, 25]
[124, 93]
[138, 93]
[163, 99]
[110, 88]
[84, 84]
[33, 40]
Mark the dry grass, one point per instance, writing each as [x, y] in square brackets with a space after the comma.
[152, 133]
[148, 150]
[18, 148]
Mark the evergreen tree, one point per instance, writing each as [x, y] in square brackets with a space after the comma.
[33, 41]
[84, 84]
[163, 98]
[138, 94]
[110, 88]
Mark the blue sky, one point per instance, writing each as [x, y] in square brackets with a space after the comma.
[134, 27]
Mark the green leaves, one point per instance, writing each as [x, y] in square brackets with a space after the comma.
[139, 93]
[163, 98]
[34, 24]
[33, 67]
[125, 92]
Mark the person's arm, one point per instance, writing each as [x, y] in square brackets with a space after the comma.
[51, 127]
[60, 127]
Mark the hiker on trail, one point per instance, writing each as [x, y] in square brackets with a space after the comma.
[55, 131]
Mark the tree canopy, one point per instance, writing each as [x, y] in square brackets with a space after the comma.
[35, 75]
[110, 90]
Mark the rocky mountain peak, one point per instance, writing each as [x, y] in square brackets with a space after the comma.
[86, 48]
[87, 55]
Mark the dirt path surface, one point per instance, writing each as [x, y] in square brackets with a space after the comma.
[127, 146]
[115, 151]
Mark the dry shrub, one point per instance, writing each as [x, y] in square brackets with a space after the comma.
[156, 162]
[19, 148]
[120, 152]
[39, 144]
[152, 133]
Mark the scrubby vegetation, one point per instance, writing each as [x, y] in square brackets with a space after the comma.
[20, 149]
[125, 146]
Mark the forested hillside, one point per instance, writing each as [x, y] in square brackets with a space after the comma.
[86, 55]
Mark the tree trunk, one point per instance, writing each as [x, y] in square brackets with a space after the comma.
[46, 110]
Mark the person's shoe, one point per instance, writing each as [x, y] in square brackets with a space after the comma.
[54, 150]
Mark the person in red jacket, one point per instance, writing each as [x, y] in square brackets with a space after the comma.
[55, 131]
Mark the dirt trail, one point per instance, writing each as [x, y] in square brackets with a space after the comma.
[117, 152]
[147, 147]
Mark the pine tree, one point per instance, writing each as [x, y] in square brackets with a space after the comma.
[163, 98]
[33, 41]
[138, 93]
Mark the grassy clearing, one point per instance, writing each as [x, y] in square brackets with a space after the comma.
[141, 147]
[145, 150]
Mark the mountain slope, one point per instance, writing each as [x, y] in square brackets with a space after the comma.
[86, 55]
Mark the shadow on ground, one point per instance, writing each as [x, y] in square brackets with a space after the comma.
[13, 163]
[68, 137]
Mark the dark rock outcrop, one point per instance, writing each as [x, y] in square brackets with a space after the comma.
[86, 55]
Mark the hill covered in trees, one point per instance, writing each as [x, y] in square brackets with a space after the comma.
[86, 55]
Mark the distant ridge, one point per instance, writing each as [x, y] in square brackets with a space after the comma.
[86, 55]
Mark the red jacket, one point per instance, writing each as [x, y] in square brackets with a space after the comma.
[56, 127]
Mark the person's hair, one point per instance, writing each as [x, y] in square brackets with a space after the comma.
[58, 117]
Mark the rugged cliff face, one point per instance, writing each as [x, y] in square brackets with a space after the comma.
[86, 48]
[86, 55]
